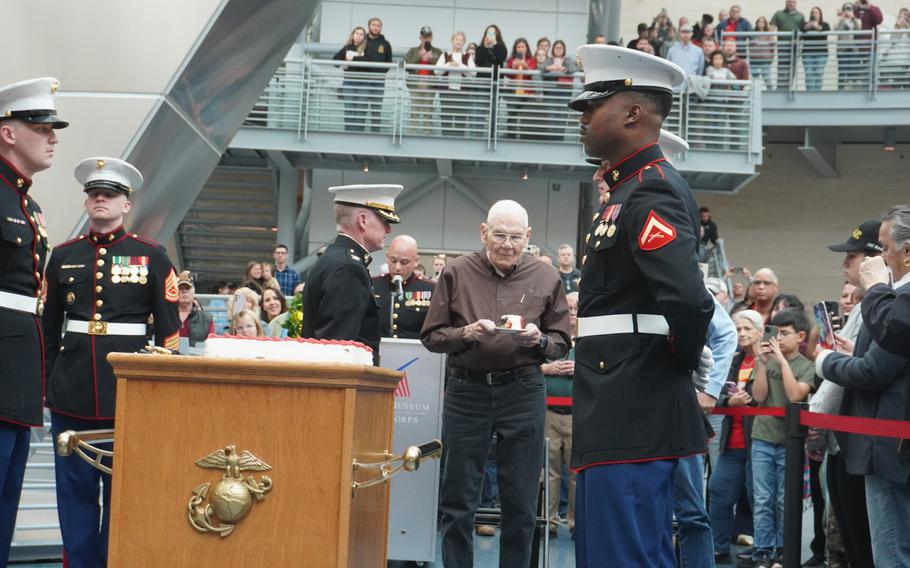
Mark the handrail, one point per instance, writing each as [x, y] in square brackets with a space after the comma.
[310, 95]
[833, 60]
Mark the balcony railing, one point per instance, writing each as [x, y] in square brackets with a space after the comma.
[406, 101]
[827, 61]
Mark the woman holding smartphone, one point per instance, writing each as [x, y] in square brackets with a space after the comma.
[491, 53]
[733, 472]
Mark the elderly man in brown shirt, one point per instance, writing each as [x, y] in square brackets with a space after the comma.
[495, 382]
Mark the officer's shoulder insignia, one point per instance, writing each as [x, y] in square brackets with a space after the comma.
[170, 287]
[656, 233]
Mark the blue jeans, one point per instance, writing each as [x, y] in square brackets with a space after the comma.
[768, 462]
[355, 94]
[717, 424]
[472, 411]
[730, 478]
[761, 69]
[888, 504]
[814, 65]
[695, 548]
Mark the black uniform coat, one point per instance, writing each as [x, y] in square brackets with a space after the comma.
[81, 286]
[23, 251]
[338, 301]
[404, 317]
[633, 395]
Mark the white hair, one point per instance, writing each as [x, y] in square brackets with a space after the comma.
[507, 208]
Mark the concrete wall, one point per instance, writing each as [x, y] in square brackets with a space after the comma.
[786, 217]
[112, 59]
[532, 19]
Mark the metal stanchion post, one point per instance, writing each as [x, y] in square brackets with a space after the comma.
[793, 485]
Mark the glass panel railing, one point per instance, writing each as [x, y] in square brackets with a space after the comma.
[405, 101]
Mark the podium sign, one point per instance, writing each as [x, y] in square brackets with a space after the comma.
[418, 416]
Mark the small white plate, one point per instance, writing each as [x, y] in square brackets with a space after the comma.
[509, 330]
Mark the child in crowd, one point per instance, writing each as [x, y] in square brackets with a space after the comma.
[246, 324]
[717, 69]
[781, 375]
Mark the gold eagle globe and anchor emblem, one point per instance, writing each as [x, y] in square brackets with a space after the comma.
[231, 498]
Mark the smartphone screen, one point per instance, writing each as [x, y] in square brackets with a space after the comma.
[823, 322]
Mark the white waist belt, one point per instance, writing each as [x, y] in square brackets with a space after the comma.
[18, 302]
[105, 328]
[622, 323]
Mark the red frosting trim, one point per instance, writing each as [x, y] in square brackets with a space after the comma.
[346, 343]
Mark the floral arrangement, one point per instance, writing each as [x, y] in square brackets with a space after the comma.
[294, 322]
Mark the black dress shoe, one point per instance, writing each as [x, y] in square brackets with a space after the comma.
[721, 557]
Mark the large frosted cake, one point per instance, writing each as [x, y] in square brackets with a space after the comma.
[288, 349]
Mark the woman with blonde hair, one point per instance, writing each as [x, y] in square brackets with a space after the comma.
[354, 91]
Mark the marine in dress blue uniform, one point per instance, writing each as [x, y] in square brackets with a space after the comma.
[338, 299]
[402, 317]
[643, 318]
[102, 288]
[27, 124]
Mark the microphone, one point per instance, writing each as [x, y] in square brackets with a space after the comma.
[397, 281]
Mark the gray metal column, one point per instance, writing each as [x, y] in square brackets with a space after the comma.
[288, 183]
[604, 19]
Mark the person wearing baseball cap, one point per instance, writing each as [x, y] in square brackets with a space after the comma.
[338, 297]
[28, 135]
[102, 287]
[862, 243]
[643, 317]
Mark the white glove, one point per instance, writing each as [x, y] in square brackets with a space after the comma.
[700, 375]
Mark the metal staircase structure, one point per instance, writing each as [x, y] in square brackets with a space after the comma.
[232, 221]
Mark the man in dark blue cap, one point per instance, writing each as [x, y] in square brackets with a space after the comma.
[642, 320]
[28, 125]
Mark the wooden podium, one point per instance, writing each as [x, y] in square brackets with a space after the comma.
[307, 421]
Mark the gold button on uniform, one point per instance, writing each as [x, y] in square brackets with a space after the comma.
[37, 257]
[18, 240]
[395, 316]
[70, 279]
[395, 336]
[61, 348]
[597, 244]
[394, 326]
[602, 365]
[102, 250]
[100, 262]
[98, 289]
[99, 303]
[99, 275]
[397, 305]
[38, 275]
[97, 317]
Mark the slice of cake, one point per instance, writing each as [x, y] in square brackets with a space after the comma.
[512, 322]
[288, 349]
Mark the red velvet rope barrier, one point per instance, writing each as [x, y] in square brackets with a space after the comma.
[851, 424]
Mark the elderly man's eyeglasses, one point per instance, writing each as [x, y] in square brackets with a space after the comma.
[515, 239]
[764, 283]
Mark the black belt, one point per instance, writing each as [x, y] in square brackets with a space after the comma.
[496, 377]
[561, 409]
